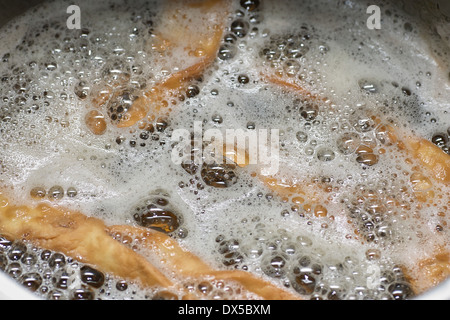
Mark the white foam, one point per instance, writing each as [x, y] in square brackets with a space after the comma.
[113, 179]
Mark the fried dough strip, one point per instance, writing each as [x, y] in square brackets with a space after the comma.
[430, 157]
[430, 271]
[77, 236]
[427, 154]
[282, 187]
[204, 45]
[290, 188]
[287, 188]
[189, 265]
[153, 98]
[433, 271]
[277, 80]
[90, 241]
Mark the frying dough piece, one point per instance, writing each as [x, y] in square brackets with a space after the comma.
[291, 85]
[189, 265]
[90, 241]
[179, 30]
[431, 157]
[427, 154]
[76, 235]
[434, 270]
[428, 157]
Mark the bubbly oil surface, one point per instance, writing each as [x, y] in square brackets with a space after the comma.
[357, 248]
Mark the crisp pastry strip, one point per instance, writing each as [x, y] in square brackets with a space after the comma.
[293, 86]
[424, 154]
[431, 271]
[189, 265]
[90, 241]
[78, 236]
[203, 45]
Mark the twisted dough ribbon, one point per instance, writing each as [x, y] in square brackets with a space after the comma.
[90, 241]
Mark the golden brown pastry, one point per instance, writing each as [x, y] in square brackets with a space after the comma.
[78, 236]
[179, 30]
[90, 241]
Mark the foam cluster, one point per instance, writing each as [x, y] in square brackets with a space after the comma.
[59, 146]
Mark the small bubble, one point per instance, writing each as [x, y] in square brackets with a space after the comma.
[82, 90]
[325, 154]
[217, 118]
[56, 193]
[182, 233]
[32, 280]
[274, 266]
[440, 139]
[92, 276]
[6, 57]
[45, 255]
[302, 136]
[14, 270]
[192, 91]
[95, 121]
[304, 241]
[240, 28]
[249, 5]
[51, 66]
[406, 91]
[251, 125]
[204, 287]
[83, 293]
[29, 259]
[309, 112]
[373, 254]
[270, 54]
[121, 285]
[348, 142]
[227, 51]
[408, 27]
[38, 193]
[400, 291]
[291, 68]
[57, 260]
[363, 124]
[71, 192]
[368, 86]
[17, 250]
[323, 48]
[229, 38]
[309, 151]
[243, 79]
